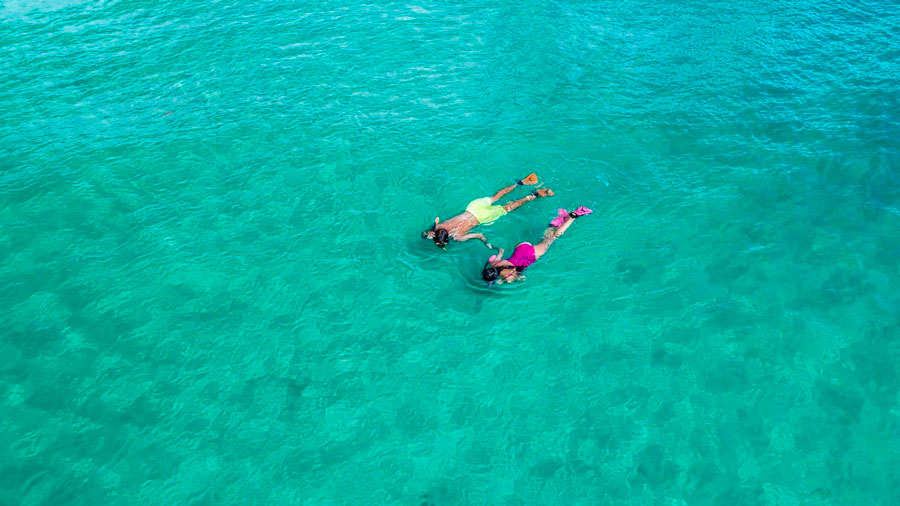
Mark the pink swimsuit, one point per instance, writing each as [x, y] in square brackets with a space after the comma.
[522, 256]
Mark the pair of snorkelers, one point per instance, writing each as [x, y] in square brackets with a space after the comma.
[483, 211]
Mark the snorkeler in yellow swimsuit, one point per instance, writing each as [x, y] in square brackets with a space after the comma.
[481, 211]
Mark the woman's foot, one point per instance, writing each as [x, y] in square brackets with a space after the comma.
[543, 192]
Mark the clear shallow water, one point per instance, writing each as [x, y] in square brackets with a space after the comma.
[213, 290]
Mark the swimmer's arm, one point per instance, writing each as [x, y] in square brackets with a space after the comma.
[475, 236]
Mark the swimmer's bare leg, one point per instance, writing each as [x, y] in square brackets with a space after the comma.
[501, 192]
[550, 235]
[515, 204]
[529, 180]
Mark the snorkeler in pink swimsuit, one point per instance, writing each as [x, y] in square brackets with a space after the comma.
[497, 270]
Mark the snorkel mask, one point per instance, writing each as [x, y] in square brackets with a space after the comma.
[441, 236]
[490, 273]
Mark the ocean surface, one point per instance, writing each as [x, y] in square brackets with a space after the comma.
[213, 288]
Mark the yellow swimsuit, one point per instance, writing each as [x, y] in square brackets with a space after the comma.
[484, 211]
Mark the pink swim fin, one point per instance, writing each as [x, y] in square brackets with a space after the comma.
[562, 218]
[563, 215]
[581, 211]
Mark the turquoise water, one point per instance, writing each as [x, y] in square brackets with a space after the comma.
[213, 289]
